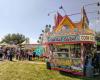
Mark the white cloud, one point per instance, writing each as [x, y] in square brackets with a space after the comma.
[33, 41]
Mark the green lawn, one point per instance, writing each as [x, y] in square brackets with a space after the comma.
[31, 71]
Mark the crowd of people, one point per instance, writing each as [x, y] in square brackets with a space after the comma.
[19, 54]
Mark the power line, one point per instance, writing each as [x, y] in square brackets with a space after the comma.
[97, 3]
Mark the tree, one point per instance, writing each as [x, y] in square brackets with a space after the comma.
[14, 38]
[98, 36]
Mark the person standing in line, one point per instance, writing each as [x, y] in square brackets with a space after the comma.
[18, 55]
[5, 53]
[1, 53]
[22, 55]
[10, 54]
[29, 55]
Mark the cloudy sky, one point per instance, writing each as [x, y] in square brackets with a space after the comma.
[29, 17]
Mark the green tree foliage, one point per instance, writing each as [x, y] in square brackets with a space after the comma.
[98, 36]
[14, 38]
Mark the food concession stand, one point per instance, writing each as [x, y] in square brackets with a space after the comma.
[69, 43]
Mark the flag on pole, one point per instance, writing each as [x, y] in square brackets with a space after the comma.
[61, 7]
[98, 12]
[85, 16]
[59, 18]
[48, 14]
[85, 21]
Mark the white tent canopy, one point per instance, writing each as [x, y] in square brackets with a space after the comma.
[4, 44]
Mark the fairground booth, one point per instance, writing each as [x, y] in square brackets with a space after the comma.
[68, 43]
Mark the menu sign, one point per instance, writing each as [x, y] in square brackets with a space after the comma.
[71, 38]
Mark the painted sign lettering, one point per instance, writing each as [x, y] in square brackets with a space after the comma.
[71, 38]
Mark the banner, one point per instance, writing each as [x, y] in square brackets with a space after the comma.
[87, 38]
[71, 38]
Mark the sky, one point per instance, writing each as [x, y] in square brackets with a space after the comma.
[29, 17]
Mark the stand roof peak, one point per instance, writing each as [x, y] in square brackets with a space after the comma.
[61, 21]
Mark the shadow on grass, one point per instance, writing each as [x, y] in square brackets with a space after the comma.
[79, 77]
[13, 61]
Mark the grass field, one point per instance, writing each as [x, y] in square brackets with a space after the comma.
[32, 71]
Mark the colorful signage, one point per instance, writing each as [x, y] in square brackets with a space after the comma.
[87, 38]
[71, 38]
[68, 32]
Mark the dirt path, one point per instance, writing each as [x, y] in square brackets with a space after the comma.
[31, 62]
[34, 62]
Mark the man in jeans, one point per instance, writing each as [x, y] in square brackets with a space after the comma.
[30, 55]
[10, 54]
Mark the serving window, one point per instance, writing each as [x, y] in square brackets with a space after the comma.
[75, 51]
[67, 50]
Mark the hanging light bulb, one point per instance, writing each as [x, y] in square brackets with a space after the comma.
[41, 34]
[38, 41]
[48, 14]
[98, 20]
[40, 37]
[98, 4]
[49, 26]
[61, 7]
[43, 31]
[98, 12]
